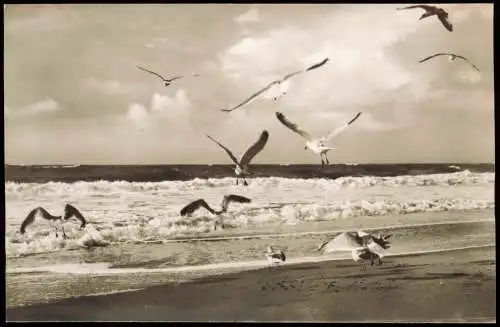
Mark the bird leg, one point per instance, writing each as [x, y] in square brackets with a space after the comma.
[322, 160]
[245, 182]
[52, 226]
[326, 158]
[65, 237]
[237, 180]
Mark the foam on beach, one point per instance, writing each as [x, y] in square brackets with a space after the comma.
[139, 212]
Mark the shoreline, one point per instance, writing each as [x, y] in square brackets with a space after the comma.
[458, 285]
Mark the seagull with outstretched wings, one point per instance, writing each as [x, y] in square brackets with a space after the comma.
[166, 81]
[362, 245]
[316, 144]
[259, 93]
[242, 165]
[441, 14]
[201, 203]
[451, 57]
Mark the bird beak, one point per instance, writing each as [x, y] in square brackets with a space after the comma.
[305, 148]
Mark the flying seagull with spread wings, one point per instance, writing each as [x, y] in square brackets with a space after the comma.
[363, 246]
[451, 57]
[39, 212]
[166, 81]
[242, 165]
[431, 11]
[259, 93]
[201, 203]
[316, 144]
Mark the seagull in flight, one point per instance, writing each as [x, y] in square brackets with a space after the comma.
[166, 81]
[39, 212]
[451, 57]
[431, 11]
[201, 203]
[317, 145]
[243, 163]
[273, 83]
[362, 245]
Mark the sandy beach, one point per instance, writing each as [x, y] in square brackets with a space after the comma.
[450, 286]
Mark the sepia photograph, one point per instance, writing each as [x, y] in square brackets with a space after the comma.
[248, 162]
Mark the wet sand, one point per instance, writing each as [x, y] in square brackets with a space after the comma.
[450, 286]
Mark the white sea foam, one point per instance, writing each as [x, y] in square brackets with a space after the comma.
[137, 212]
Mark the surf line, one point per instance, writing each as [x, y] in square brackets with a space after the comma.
[263, 236]
[102, 268]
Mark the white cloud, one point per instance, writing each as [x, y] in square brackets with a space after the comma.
[38, 108]
[369, 123]
[138, 114]
[110, 86]
[251, 16]
[171, 110]
[361, 70]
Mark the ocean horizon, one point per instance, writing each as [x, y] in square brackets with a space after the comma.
[183, 172]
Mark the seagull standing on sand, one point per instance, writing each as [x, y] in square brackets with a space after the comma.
[166, 81]
[316, 145]
[451, 57]
[39, 212]
[431, 11]
[195, 205]
[275, 256]
[242, 165]
[273, 83]
[363, 246]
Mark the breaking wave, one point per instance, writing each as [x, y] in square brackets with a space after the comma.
[138, 212]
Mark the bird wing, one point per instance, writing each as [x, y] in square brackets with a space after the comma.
[193, 206]
[319, 64]
[340, 129]
[252, 97]
[466, 60]
[70, 211]
[425, 7]
[174, 78]
[231, 155]
[342, 242]
[255, 148]
[376, 248]
[446, 23]
[30, 218]
[151, 72]
[292, 74]
[233, 198]
[294, 127]
[307, 69]
[434, 55]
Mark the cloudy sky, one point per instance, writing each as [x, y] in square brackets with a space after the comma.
[73, 93]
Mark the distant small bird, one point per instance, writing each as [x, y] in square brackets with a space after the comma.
[361, 245]
[451, 57]
[275, 256]
[195, 205]
[167, 81]
[316, 145]
[276, 82]
[431, 11]
[69, 212]
[242, 165]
